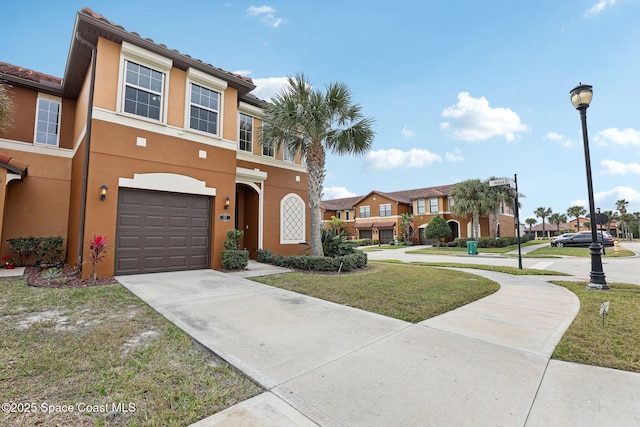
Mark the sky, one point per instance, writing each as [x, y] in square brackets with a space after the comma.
[458, 89]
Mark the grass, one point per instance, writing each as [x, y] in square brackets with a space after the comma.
[614, 345]
[103, 345]
[445, 250]
[580, 252]
[374, 248]
[499, 268]
[405, 292]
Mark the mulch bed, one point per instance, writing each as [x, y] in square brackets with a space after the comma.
[68, 278]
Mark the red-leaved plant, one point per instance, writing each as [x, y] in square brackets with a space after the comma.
[98, 248]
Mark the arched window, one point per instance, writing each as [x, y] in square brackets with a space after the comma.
[292, 219]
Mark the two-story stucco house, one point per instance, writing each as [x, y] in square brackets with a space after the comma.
[377, 215]
[150, 147]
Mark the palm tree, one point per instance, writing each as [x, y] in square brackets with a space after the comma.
[621, 206]
[557, 219]
[6, 109]
[576, 212]
[531, 222]
[335, 224]
[500, 195]
[313, 122]
[405, 223]
[471, 199]
[542, 213]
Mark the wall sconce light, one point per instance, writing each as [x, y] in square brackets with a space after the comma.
[103, 192]
[227, 202]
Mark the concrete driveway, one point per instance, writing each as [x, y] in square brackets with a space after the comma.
[322, 363]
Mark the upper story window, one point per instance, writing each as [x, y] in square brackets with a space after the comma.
[346, 215]
[451, 203]
[143, 91]
[365, 212]
[268, 150]
[421, 206]
[338, 214]
[203, 113]
[287, 154]
[385, 210]
[48, 120]
[433, 205]
[245, 139]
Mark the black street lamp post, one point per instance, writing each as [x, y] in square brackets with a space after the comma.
[581, 97]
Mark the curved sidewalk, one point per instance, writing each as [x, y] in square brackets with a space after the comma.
[486, 363]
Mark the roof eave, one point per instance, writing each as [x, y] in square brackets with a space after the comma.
[91, 29]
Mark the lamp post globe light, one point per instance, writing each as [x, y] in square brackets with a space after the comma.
[581, 97]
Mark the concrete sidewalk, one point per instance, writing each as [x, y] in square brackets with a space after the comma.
[486, 363]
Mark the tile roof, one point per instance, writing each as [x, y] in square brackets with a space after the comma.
[404, 196]
[13, 165]
[26, 74]
[89, 12]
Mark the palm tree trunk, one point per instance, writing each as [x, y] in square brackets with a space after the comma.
[475, 227]
[315, 169]
[495, 223]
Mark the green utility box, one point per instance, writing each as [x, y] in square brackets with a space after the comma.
[472, 247]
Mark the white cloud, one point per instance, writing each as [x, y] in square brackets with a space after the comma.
[619, 168]
[631, 195]
[456, 156]
[472, 119]
[408, 133]
[330, 193]
[394, 159]
[268, 87]
[599, 7]
[579, 202]
[559, 138]
[616, 136]
[266, 14]
[245, 73]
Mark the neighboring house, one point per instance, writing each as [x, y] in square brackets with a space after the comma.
[170, 138]
[377, 215]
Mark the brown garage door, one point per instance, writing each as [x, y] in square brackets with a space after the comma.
[385, 235]
[160, 231]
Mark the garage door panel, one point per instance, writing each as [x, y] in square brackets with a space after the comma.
[161, 231]
[198, 242]
[178, 222]
[199, 223]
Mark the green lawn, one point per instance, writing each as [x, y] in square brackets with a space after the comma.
[410, 293]
[499, 268]
[414, 293]
[614, 345]
[579, 252]
[103, 345]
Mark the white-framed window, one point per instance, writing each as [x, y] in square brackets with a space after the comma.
[48, 115]
[287, 154]
[245, 138]
[268, 150]
[433, 205]
[452, 203]
[338, 214]
[346, 215]
[204, 107]
[143, 91]
[292, 219]
[385, 209]
[421, 206]
[143, 83]
[365, 212]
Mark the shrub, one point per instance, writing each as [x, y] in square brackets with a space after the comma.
[235, 259]
[334, 244]
[349, 262]
[47, 249]
[233, 236]
[461, 242]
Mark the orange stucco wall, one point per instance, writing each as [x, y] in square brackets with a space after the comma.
[38, 205]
